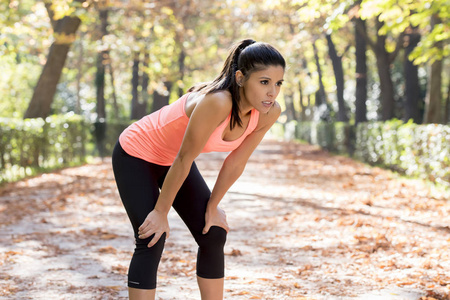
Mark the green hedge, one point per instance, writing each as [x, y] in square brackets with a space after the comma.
[416, 150]
[336, 137]
[30, 145]
[106, 134]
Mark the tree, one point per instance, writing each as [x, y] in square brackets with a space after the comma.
[190, 41]
[384, 59]
[321, 97]
[161, 97]
[433, 99]
[102, 58]
[339, 76]
[319, 18]
[412, 86]
[447, 106]
[64, 33]
[361, 68]
[139, 108]
[401, 15]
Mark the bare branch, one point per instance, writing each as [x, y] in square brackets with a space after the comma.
[51, 14]
[363, 33]
[398, 46]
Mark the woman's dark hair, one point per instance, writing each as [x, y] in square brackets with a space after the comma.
[247, 56]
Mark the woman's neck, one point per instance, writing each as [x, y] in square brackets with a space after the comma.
[244, 107]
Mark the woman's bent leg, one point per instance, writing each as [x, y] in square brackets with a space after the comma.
[138, 294]
[190, 203]
[211, 289]
[137, 182]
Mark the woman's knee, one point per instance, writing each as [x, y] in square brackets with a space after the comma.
[215, 238]
[143, 269]
[210, 256]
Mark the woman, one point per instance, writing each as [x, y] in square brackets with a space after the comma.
[231, 113]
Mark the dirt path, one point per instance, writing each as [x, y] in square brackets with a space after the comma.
[304, 225]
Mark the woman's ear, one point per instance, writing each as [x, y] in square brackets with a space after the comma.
[239, 78]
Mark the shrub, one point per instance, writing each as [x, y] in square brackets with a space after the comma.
[416, 150]
[30, 145]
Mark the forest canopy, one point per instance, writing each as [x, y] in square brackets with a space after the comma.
[119, 60]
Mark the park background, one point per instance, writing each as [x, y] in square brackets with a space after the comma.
[367, 84]
[363, 78]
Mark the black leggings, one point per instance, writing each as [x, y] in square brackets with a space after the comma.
[138, 182]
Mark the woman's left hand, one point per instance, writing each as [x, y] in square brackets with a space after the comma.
[215, 217]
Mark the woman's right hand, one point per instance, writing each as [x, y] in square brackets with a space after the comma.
[155, 223]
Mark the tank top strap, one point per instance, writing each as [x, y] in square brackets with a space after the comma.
[254, 118]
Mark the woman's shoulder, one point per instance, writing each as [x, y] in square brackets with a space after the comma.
[269, 118]
[218, 102]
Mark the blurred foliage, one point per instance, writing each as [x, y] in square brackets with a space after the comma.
[400, 15]
[335, 137]
[415, 150]
[31, 145]
[204, 30]
[104, 136]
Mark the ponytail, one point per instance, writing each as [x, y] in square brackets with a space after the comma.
[246, 59]
[227, 79]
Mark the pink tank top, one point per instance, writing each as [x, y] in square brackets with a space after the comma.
[157, 137]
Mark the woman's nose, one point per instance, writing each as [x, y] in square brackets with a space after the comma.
[272, 91]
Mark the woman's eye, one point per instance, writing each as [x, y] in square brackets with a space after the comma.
[264, 82]
[280, 83]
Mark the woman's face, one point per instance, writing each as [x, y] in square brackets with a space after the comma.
[261, 89]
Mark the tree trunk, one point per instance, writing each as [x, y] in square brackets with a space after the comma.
[145, 80]
[302, 105]
[113, 87]
[320, 95]
[386, 86]
[139, 108]
[336, 61]
[361, 71]
[102, 57]
[134, 87]
[160, 100]
[433, 106]
[181, 64]
[309, 108]
[290, 108]
[412, 87]
[44, 92]
[79, 76]
[447, 106]
[384, 73]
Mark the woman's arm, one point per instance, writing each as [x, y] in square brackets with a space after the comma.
[234, 165]
[204, 119]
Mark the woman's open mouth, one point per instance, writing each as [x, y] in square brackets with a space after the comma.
[267, 103]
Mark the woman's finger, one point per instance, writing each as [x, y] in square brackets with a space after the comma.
[206, 229]
[144, 224]
[146, 234]
[143, 229]
[224, 226]
[155, 239]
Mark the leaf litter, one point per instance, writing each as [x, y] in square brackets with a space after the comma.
[304, 225]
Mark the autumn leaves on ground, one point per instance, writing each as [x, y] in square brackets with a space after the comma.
[304, 225]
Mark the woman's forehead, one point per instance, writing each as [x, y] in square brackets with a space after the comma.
[273, 72]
